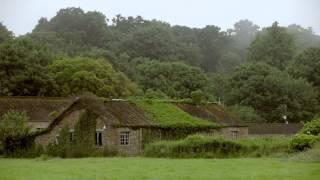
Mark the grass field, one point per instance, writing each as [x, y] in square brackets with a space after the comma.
[153, 168]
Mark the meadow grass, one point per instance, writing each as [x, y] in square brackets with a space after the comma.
[156, 168]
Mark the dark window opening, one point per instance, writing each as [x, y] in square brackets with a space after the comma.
[70, 136]
[98, 138]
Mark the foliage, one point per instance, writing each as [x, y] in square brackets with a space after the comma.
[209, 146]
[194, 146]
[197, 96]
[76, 76]
[311, 155]
[151, 94]
[5, 34]
[302, 142]
[79, 143]
[23, 70]
[14, 134]
[84, 133]
[268, 90]
[245, 113]
[304, 37]
[174, 79]
[266, 146]
[75, 26]
[14, 124]
[274, 46]
[312, 128]
[169, 115]
[307, 65]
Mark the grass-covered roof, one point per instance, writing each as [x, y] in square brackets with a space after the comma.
[165, 114]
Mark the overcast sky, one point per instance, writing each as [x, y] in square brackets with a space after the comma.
[20, 16]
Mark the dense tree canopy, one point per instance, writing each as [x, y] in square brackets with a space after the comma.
[5, 34]
[82, 75]
[307, 65]
[76, 26]
[174, 79]
[274, 46]
[273, 93]
[260, 74]
[23, 68]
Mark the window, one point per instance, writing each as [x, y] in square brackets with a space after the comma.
[98, 138]
[57, 139]
[71, 135]
[124, 137]
[234, 134]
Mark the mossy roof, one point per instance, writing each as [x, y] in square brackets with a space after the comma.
[166, 114]
[39, 109]
[211, 112]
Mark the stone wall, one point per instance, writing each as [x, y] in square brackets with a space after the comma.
[69, 121]
[110, 135]
[234, 132]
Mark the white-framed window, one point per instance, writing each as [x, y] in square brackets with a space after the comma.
[124, 137]
[235, 134]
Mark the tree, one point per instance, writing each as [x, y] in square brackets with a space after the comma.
[14, 123]
[197, 96]
[14, 131]
[211, 42]
[307, 65]
[23, 68]
[75, 26]
[242, 35]
[5, 34]
[304, 37]
[76, 76]
[274, 46]
[154, 41]
[267, 90]
[175, 79]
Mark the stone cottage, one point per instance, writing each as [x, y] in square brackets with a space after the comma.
[120, 125]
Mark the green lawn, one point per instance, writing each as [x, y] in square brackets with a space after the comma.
[153, 168]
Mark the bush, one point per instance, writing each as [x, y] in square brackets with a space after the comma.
[312, 128]
[245, 113]
[265, 146]
[194, 146]
[216, 147]
[302, 142]
[197, 97]
[14, 135]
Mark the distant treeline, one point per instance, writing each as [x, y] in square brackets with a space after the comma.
[259, 74]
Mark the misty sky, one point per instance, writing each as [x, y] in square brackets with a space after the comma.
[20, 16]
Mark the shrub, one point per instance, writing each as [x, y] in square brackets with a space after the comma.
[216, 147]
[14, 134]
[245, 113]
[312, 127]
[194, 146]
[197, 96]
[265, 146]
[302, 142]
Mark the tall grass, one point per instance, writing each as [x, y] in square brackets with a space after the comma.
[217, 147]
[311, 155]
